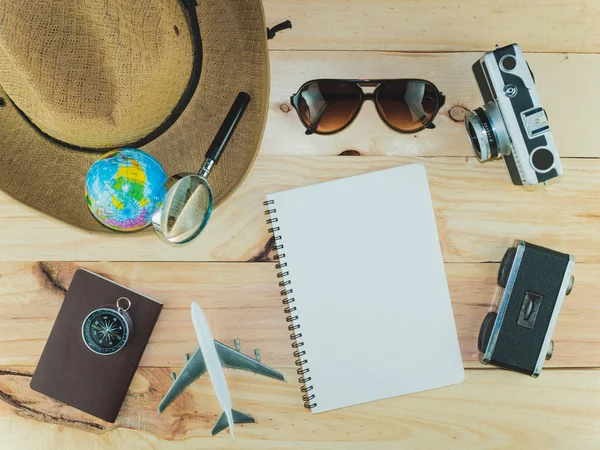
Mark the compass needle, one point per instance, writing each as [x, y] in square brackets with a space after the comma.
[105, 331]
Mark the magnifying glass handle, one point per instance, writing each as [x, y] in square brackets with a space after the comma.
[228, 127]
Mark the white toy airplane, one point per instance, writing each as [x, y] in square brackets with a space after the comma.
[212, 355]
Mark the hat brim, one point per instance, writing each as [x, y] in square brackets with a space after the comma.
[50, 178]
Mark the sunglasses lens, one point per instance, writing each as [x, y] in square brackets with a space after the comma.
[328, 106]
[407, 105]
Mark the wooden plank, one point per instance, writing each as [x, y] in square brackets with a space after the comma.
[436, 25]
[242, 301]
[490, 410]
[567, 85]
[479, 214]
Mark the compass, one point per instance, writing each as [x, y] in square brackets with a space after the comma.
[105, 331]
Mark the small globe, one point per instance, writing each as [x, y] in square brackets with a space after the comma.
[124, 188]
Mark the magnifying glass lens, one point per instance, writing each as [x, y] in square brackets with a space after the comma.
[186, 209]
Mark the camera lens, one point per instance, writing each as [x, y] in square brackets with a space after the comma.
[506, 266]
[486, 331]
[487, 132]
[473, 139]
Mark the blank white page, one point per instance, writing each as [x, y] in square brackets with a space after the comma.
[369, 287]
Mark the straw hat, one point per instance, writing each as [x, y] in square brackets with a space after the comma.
[81, 77]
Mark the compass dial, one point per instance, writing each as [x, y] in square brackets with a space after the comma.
[105, 331]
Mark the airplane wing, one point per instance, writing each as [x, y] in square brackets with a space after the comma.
[234, 359]
[194, 368]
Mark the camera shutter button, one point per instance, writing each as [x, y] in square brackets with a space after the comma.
[510, 90]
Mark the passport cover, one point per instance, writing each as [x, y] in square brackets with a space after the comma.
[68, 371]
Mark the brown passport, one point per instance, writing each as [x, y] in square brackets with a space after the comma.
[68, 371]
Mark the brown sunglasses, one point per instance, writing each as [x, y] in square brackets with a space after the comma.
[328, 106]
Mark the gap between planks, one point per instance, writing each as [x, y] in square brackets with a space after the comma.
[478, 211]
[524, 415]
[243, 301]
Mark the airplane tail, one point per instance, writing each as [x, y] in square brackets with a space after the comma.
[238, 417]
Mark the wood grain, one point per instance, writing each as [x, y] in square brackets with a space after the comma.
[479, 214]
[490, 410]
[436, 25]
[242, 301]
[566, 84]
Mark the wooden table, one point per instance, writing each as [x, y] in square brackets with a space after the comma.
[230, 272]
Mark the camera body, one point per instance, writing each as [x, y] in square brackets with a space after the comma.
[516, 334]
[512, 123]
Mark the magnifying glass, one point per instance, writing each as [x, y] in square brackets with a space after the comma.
[189, 200]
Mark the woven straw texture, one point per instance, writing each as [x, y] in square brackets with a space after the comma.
[102, 74]
[95, 74]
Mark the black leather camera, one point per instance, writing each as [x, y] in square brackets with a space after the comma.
[516, 334]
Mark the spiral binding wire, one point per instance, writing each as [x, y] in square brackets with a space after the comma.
[301, 360]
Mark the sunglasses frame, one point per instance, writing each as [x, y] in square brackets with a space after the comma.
[360, 83]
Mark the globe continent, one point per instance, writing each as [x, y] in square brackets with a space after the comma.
[124, 188]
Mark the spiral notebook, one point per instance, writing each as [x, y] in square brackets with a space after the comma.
[365, 289]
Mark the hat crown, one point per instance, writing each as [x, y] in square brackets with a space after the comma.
[95, 74]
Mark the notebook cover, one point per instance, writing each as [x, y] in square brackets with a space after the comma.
[68, 371]
[364, 271]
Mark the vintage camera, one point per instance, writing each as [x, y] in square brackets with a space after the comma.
[512, 123]
[516, 334]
